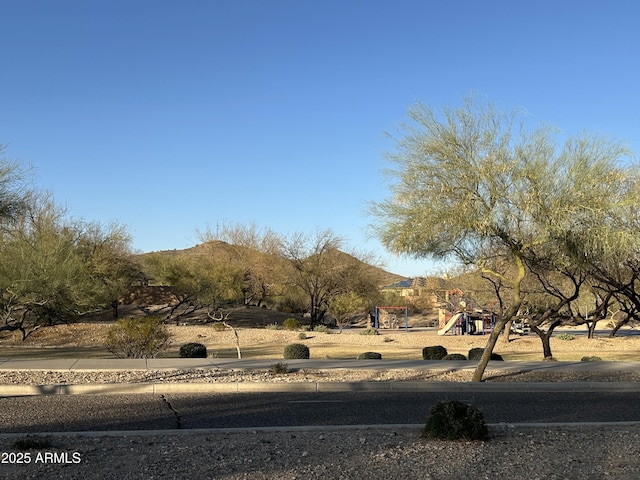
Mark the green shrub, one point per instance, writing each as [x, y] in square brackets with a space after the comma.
[291, 324]
[566, 336]
[476, 354]
[138, 337]
[454, 356]
[296, 350]
[321, 329]
[437, 352]
[369, 356]
[302, 336]
[218, 326]
[591, 359]
[193, 350]
[453, 420]
[279, 368]
[369, 331]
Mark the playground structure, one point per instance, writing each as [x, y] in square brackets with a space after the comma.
[480, 322]
[384, 318]
[461, 318]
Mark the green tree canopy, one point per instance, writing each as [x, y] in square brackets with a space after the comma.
[471, 183]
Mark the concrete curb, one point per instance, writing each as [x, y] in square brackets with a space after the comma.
[312, 387]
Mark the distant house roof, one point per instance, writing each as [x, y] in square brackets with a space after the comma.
[408, 283]
[417, 282]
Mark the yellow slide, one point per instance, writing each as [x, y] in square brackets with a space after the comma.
[452, 321]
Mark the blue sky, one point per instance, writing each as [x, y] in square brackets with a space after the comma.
[171, 116]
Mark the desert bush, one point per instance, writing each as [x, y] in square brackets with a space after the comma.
[321, 329]
[453, 420]
[279, 368]
[566, 336]
[476, 354]
[593, 358]
[454, 356]
[369, 356]
[437, 352]
[273, 326]
[302, 336]
[218, 326]
[369, 331]
[193, 350]
[296, 350]
[291, 323]
[138, 337]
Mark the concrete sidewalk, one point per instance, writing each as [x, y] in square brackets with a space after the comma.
[161, 388]
[92, 364]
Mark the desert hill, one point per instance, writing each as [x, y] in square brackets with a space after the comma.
[238, 255]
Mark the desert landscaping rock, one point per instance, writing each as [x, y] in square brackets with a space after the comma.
[35, 377]
[528, 453]
[522, 453]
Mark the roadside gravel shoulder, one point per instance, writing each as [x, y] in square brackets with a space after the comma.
[522, 453]
[527, 453]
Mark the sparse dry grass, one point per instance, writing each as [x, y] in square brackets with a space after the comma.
[88, 339]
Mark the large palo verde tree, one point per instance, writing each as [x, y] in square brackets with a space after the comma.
[473, 185]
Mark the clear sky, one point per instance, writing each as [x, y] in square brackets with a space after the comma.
[171, 116]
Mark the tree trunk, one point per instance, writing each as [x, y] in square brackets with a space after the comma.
[618, 326]
[545, 338]
[114, 307]
[592, 329]
[546, 348]
[488, 350]
[506, 335]
[235, 333]
[500, 324]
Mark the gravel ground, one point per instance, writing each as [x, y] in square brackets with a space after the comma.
[31, 377]
[513, 453]
[527, 453]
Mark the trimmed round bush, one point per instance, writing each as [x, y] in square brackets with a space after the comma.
[593, 358]
[369, 356]
[437, 352]
[193, 350]
[476, 354]
[454, 420]
[296, 351]
[454, 356]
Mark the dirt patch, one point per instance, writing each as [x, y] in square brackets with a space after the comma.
[89, 339]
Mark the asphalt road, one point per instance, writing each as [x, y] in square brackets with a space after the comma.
[65, 413]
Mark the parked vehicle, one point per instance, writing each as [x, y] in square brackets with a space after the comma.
[520, 327]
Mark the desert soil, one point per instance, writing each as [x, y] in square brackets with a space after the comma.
[392, 344]
[527, 453]
[269, 344]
